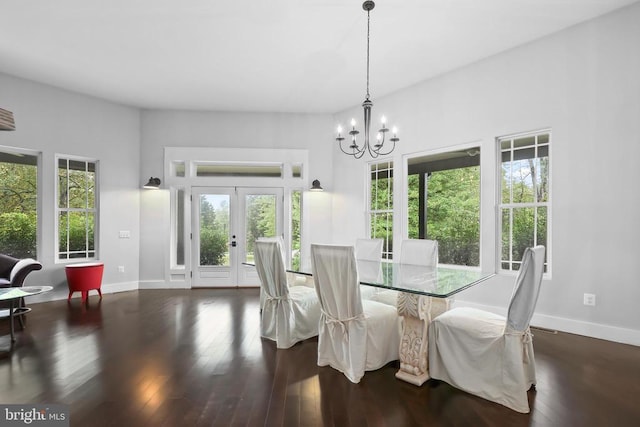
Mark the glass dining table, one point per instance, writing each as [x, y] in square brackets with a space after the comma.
[422, 294]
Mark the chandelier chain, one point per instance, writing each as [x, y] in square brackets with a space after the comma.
[368, 25]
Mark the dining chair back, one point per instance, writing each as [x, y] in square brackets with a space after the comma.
[419, 252]
[486, 354]
[289, 314]
[369, 249]
[354, 335]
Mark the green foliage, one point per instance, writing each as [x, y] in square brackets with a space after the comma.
[523, 227]
[260, 218]
[213, 246]
[214, 226]
[295, 229]
[18, 234]
[452, 213]
[18, 214]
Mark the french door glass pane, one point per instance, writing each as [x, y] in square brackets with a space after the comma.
[260, 217]
[214, 230]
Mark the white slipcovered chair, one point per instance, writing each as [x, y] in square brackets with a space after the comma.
[289, 314]
[486, 354]
[420, 252]
[354, 335]
[292, 279]
[369, 259]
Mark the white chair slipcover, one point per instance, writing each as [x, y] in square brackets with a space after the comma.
[289, 314]
[421, 252]
[354, 335]
[486, 354]
[292, 279]
[369, 259]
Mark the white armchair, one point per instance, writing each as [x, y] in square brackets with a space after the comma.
[289, 314]
[486, 354]
[354, 335]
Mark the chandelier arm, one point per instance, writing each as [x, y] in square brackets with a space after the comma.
[384, 153]
[354, 150]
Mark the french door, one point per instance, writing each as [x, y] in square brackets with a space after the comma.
[226, 222]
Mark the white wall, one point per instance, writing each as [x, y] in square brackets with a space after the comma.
[226, 130]
[51, 121]
[584, 84]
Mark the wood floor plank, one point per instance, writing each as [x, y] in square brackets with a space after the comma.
[196, 358]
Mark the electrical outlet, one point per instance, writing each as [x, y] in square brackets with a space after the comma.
[590, 299]
[121, 268]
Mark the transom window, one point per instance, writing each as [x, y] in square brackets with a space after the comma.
[76, 210]
[524, 196]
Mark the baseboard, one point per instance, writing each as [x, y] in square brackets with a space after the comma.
[161, 284]
[572, 326]
[112, 288]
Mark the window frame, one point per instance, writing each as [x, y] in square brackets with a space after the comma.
[535, 205]
[39, 195]
[387, 254]
[95, 211]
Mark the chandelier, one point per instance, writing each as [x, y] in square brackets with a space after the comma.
[378, 148]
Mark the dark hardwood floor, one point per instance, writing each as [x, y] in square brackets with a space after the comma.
[195, 357]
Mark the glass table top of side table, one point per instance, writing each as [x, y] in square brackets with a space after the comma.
[14, 294]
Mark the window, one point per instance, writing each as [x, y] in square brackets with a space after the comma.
[76, 212]
[253, 171]
[18, 203]
[524, 196]
[296, 219]
[444, 204]
[381, 206]
[178, 228]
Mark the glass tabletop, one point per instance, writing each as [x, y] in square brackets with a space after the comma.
[440, 282]
[25, 291]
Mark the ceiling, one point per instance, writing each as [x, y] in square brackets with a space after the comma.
[263, 55]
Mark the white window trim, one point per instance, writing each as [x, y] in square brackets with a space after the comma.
[192, 156]
[500, 206]
[39, 192]
[369, 211]
[95, 210]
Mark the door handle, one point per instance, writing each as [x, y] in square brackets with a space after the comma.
[233, 244]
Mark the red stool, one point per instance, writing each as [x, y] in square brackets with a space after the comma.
[84, 277]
